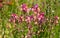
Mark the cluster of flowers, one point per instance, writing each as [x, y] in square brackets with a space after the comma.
[37, 16]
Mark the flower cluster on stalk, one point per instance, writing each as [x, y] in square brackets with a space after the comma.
[37, 17]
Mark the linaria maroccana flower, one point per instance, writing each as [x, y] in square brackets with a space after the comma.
[29, 19]
[40, 17]
[36, 9]
[13, 18]
[21, 18]
[24, 7]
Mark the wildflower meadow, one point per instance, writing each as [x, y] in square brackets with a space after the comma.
[29, 18]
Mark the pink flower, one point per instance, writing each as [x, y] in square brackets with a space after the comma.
[29, 19]
[40, 17]
[28, 10]
[21, 18]
[36, 6]
[24, 7]
[56, 18]
[13, 18]
[35, 9]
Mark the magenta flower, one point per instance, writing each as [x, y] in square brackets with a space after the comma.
[21, 18]
[24, 7]
[29, 19]
[13, 18]
[56, 18]
[36, 6]
[35, 9]
[40, 17]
